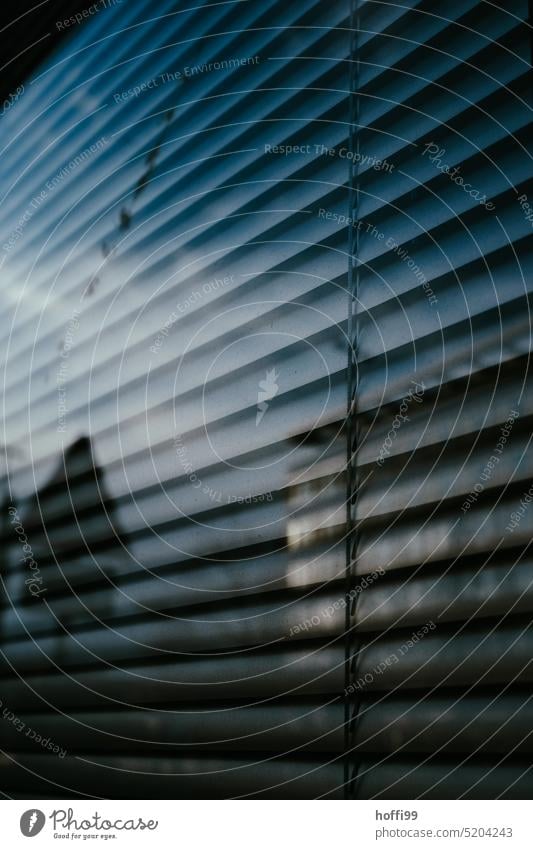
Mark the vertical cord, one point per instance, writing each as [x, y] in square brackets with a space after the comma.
[351, 423]
[530, 22]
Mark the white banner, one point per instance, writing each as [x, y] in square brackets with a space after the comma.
[268, 824]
